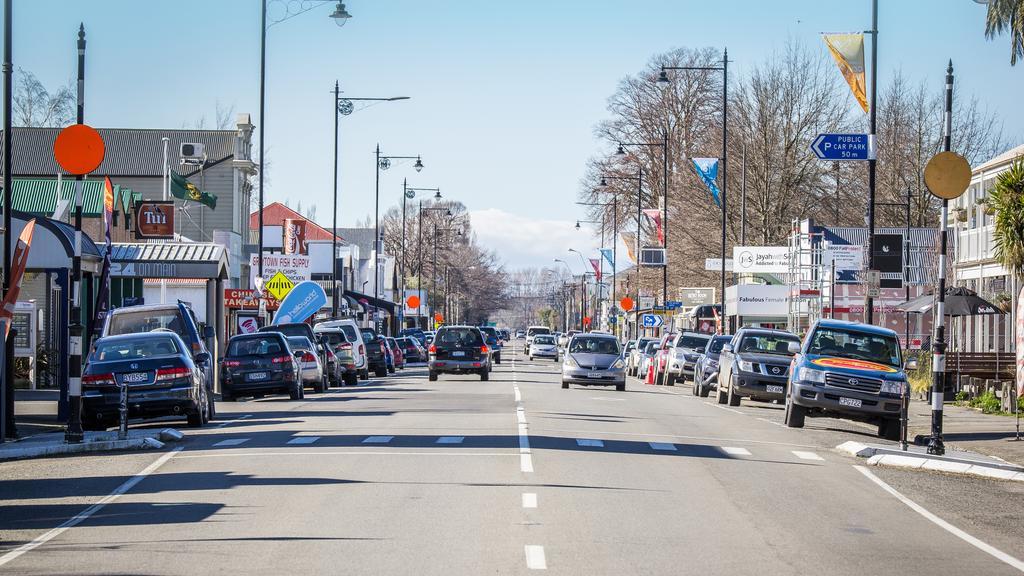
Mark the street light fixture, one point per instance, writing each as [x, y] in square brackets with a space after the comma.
[724, 68]
[340, 16]
[408, 193]
[383, 163]
[419, 266]
[343, 106]
[664, 194]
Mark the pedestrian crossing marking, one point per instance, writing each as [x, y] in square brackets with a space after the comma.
[589, 443]
[662, 446]
[303, 440]
[732, 451]
[378, 439]
[451, 439]
[231, 442]
[807, 455]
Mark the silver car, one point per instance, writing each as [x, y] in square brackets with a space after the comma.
[594, 359]
[310, 368]
[544, 346]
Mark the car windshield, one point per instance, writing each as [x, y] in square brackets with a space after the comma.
[718, 343]
[459, 337]
[255, 346]
[692, 342]
[651, 349]
[588, 345]
[369, 336]
[767, 343]
[535, 331]
[350, 333]
[544, 339]
[299, 343]
[854, 344]
[135, 348]
[147, 321]
[333, 338]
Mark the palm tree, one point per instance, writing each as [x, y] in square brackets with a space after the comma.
[1007, 16]
[1007, 201]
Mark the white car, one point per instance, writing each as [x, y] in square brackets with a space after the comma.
[533, 331]
[310, 368]
[350, 330]
[544, 346]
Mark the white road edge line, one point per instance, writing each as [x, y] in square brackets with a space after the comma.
[525, 457]
[362, 452]
[85, 514]
[535, 557]
[529, 500]
[984, 547]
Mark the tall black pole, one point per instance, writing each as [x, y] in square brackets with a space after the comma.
[743, 198]
[74, 433]
[401, 296]
[334, 214]
[263, 129]
[639, 230]
[664, 214]
[419, 266]
[935, 444]
[615, 259]
[7, 426]
[869, 304]
[376, 238]
[433, 274]
[724, 171]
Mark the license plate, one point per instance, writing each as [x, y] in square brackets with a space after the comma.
[134, 377]
[257, 376]
[851, 402]
[595, 375]
[458, 353]
[773, 389]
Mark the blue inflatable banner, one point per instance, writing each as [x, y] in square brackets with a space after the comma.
[302, 302]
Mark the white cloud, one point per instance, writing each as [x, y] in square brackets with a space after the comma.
[522, 241]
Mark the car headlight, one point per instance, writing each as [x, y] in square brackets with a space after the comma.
[812, 375]
[745, 366]
[895, 387]
[570, 363]
[618, 364]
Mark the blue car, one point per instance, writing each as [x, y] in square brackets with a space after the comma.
[851, 369]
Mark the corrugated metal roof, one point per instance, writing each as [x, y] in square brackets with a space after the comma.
[362, 237]
[168, 252]
[129, 151]
[38, 196]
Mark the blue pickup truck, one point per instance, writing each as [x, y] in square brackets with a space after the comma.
[850, 369]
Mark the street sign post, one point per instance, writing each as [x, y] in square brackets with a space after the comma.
[651, 320]
[673, 304]
[844, 147]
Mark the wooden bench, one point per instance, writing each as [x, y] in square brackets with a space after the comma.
[985, 365]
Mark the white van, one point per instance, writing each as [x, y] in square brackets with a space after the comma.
[533, 331]
[350, 329]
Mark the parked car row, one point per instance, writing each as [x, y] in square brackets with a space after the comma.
[839, 368]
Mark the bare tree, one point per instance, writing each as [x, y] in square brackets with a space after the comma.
[35, 106]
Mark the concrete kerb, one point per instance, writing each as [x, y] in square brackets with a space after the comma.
[46, 445]
[916, 458]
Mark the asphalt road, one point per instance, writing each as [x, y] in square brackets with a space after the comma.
[459, 476]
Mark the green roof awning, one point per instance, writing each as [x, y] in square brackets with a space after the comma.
[38, 196]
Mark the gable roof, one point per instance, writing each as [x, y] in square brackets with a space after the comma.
[129, 151]
[275, 213]
[362, 237]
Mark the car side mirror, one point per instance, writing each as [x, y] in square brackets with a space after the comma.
[208, 332]
[202, 357]
[794, 348]
[911, 364]
[727, 348]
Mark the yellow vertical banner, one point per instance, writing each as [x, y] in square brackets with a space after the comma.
[848, 52]
[629, 239]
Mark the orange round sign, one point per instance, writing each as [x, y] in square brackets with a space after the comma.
[79, 149]
[626, 303]
[586, 320]
[413, 301]
[438, 317]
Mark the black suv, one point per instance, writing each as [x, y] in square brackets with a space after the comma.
[459, 350]
[755, 364]
[376, 357]
[302, 329]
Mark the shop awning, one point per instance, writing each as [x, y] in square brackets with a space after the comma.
[370, 301]
[169, 260]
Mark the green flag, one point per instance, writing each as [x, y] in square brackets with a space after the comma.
[185, 190]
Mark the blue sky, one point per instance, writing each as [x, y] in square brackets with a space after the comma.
[504, 94]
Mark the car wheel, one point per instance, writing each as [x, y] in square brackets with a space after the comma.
[432, 376]
[322, 387]
[670, 379]
[704, 391]
[380, 372]
[795, 414]
[211, 407]
[621, 386]
[195, 418]
[734, 397]
[889, 429]
[224, 397]
[531, 358]
[485, 375]
[721, 397]
[497, 359]
[565, 385]
[364, 374]
[696, 387]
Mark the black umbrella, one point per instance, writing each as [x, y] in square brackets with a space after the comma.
[959, 302]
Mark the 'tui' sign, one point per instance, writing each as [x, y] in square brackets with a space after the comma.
[154, 219]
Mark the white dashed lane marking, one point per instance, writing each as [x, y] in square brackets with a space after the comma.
[733, 451]
[529, 500]
[304, 440]
[535, 557]
[807, 455]
[231, 442]
[378, 439]
[451, 439]
[590, 443]
[662, 446]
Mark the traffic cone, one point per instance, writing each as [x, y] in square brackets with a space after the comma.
[650, 374]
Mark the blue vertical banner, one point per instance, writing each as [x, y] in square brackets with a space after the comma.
[707, 169]
[608, 255]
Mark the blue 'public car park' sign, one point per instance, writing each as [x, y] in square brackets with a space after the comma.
[843, 147]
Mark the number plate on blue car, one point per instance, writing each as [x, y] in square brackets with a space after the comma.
[257, 376]
[135, 377]
[851, 402]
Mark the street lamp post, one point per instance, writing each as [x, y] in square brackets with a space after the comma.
[664, 199]
[724, 68]
[408, 194]
[639, 178]
[342, 107]
[340, 17]
[419, 250]
[383, 163]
